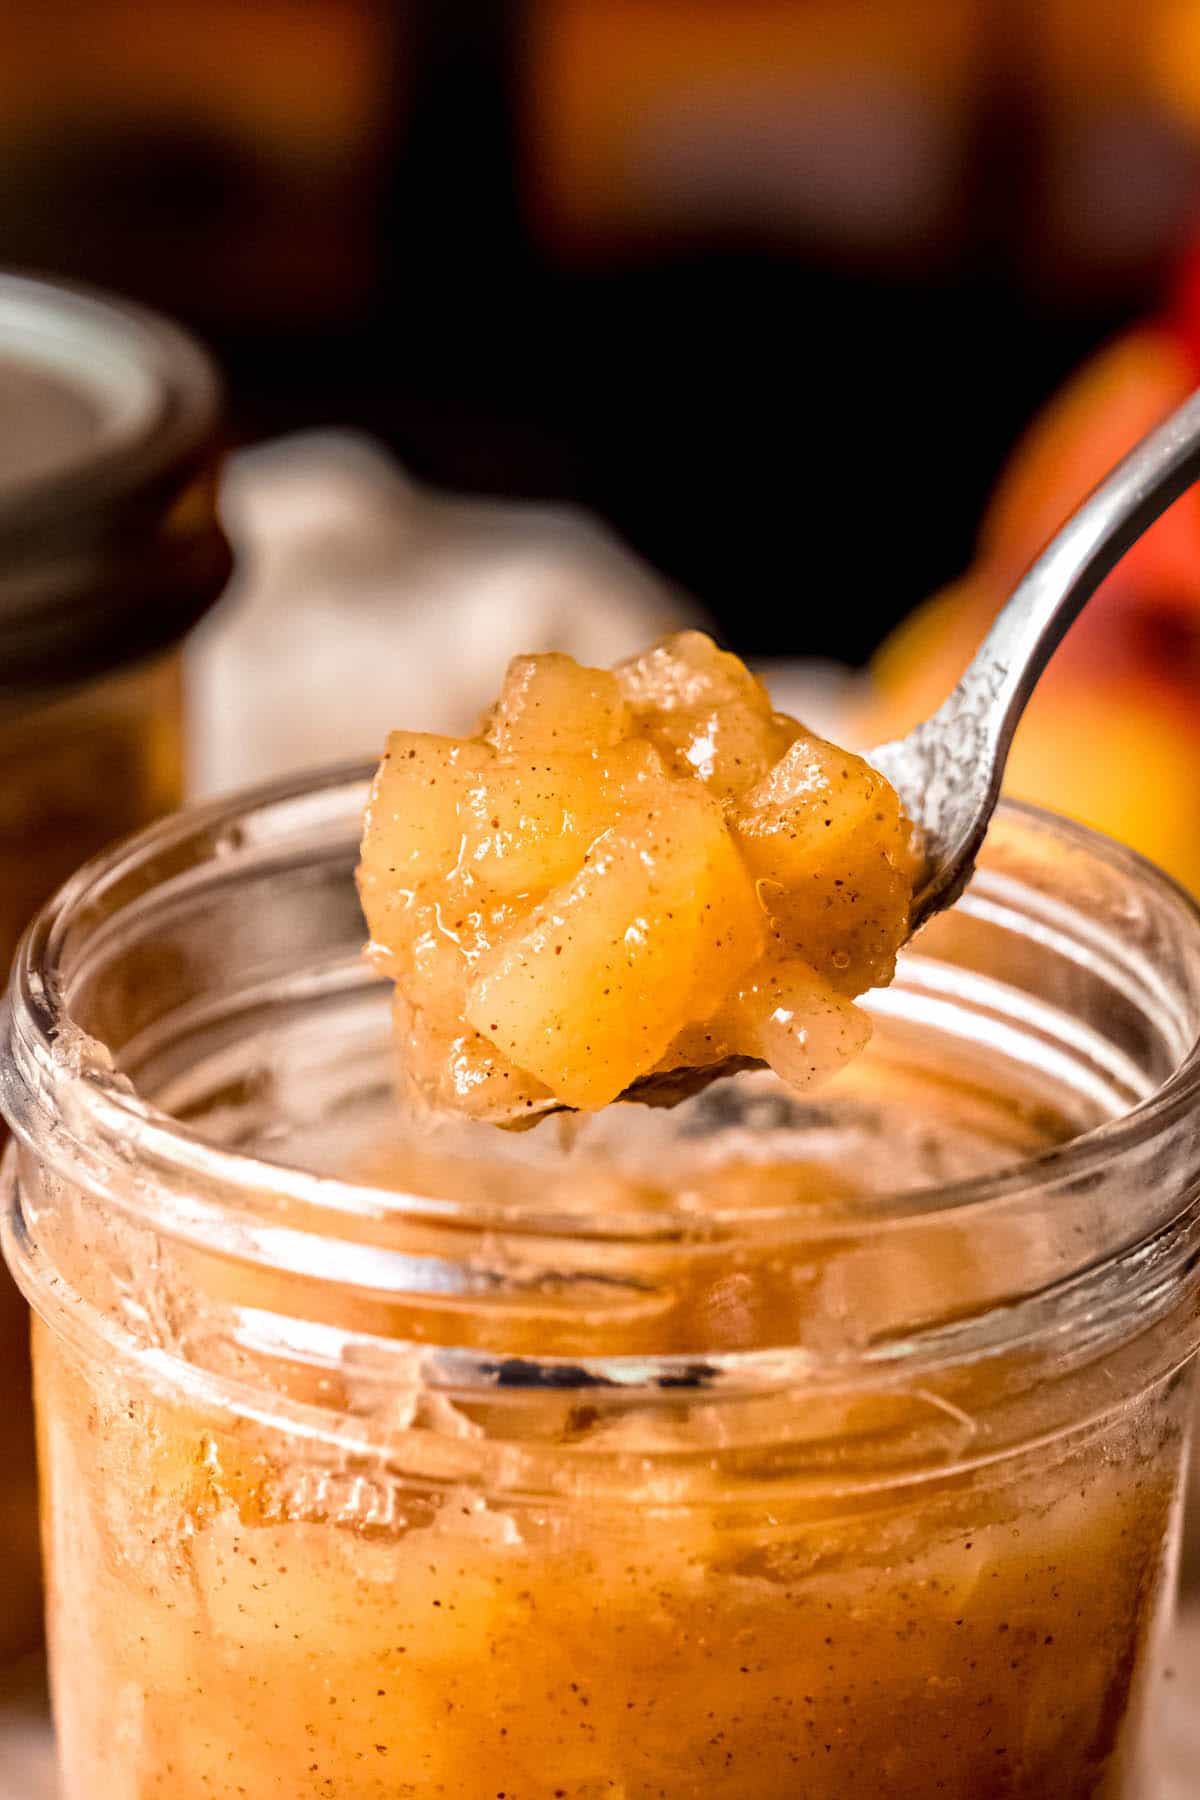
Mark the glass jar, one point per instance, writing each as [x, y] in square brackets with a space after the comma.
[109, 550]
[759, 1447]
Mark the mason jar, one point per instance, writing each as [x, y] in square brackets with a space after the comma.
[761, 1446]
[109, 551]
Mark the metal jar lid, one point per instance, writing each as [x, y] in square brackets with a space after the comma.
[110, 547]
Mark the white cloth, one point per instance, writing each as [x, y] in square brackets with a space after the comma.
[363, 602]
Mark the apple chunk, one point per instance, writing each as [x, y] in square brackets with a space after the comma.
[795, 1021]
[553, 703]
[825, 836]
[708, 715]
[610, 967]
[413, 827]
[527, 822]
[442, 807]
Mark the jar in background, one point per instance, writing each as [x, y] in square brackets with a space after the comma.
[764, 1446]
[109, 551]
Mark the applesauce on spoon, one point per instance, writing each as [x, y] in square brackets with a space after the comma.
[627, 874]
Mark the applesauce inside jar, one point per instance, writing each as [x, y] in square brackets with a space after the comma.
[772, 1444]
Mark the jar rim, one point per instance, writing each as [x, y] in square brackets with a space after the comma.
[43, 1034]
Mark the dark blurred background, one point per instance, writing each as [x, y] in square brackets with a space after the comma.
[772, 285]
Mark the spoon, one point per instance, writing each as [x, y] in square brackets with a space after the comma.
[948, 769]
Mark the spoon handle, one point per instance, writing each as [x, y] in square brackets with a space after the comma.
[950, 768]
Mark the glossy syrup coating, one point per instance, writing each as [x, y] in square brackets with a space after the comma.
[627, 873]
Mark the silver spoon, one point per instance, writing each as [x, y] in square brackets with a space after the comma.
[948, 769]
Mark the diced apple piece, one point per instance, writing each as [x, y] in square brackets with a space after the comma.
[687, 673]
[827, 797]
[412, 830]
[422, 930]
[609, 968]
[703, 709]
[428, 938]
[393, 921]
[798, 1024]
[520, 826]
[441, 805]
[437, 956]
[527, 824]
[553, 703]
[441, 1060]
[453, 1069]
[826, 838]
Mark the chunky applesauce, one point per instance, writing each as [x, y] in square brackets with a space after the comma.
[624, 874]
[243, 1625]
[554, 1590]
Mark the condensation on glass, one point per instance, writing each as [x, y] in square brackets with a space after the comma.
[109, 550]
[760, 1447]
